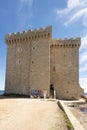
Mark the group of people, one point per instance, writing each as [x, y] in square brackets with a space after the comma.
[36, 93]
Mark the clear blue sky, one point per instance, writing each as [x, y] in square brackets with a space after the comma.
[68, 18]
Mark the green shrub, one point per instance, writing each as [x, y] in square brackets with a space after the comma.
[68, 123]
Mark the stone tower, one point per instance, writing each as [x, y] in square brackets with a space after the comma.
[37, 61]
[64, 64]
[28, 61]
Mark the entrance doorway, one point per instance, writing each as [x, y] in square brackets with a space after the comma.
[52, 90]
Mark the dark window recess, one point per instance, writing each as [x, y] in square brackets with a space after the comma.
[45, 35]
[68, 82]
[9, 83]
[54, 69]
[32, 62]
[48, 34]
[35, 37]
[33, 48]
[67, 91]
[19, 61]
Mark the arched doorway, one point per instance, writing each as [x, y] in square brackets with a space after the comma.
[52, 90]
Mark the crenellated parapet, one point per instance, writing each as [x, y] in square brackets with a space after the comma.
[66, 42]
[30, 35]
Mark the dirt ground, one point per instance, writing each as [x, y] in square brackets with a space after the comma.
[30, 114]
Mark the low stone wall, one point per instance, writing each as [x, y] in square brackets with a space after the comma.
[75, 123]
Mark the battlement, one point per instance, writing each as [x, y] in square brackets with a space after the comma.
[29, 35]
[66, 42]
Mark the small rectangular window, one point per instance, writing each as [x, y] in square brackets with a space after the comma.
[54, 68]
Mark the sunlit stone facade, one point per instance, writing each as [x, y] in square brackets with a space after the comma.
[35, 60]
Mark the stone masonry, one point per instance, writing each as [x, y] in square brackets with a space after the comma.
[36, 61]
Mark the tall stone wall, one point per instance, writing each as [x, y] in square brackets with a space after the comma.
[40, 68]
[28, 61]
[18, 64]
[65, 68]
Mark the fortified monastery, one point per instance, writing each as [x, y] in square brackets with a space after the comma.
[36, 62]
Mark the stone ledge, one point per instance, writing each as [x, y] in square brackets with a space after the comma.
[75, 123]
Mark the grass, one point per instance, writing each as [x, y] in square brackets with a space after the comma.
[68, 123]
